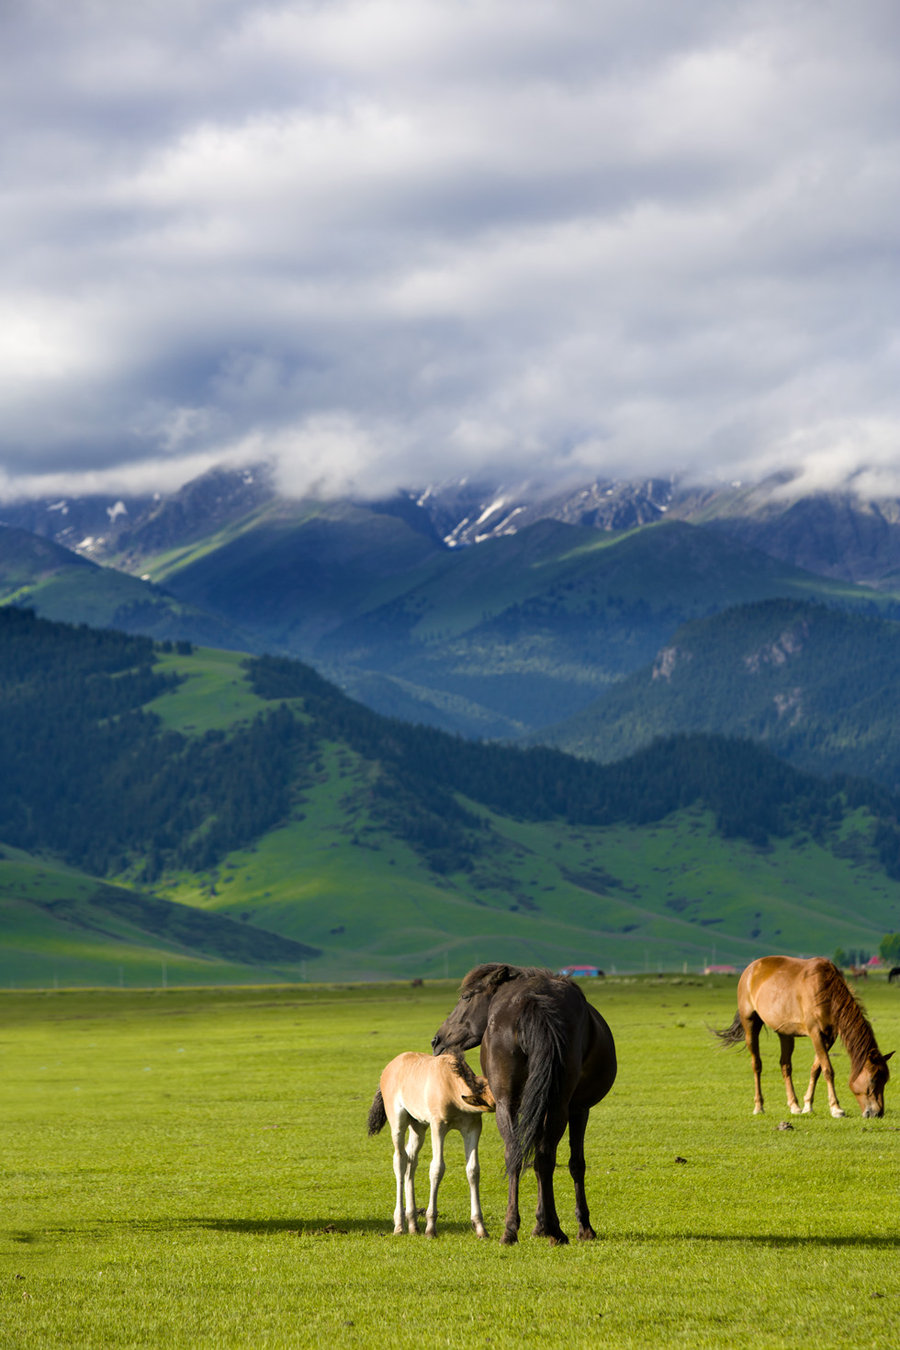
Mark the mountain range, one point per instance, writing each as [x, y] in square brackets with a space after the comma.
[490, 611]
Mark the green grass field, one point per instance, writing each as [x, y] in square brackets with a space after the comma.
[191, 1168]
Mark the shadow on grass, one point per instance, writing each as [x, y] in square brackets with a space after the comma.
[330, 1227]
[325, 1227]
[789, 1241]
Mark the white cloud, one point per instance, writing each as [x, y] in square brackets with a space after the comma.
[380, 240]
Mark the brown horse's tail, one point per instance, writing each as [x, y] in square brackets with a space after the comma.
[733, 1035]
[541, 1034]
[377, 1114]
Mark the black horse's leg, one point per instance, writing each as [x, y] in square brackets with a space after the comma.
[547, 1224]
[506, 1127]
[578, 1119]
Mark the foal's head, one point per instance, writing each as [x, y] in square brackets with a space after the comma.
[867, 1084]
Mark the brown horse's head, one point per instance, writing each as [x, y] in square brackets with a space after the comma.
[465, 1025]
[867, 1085]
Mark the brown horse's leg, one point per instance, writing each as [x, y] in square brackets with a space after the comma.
[811, 1090]
[578, 1119]
[787, 1053]
[752, 1025]
[822, 1047]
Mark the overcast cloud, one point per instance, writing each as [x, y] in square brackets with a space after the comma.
[382, 241]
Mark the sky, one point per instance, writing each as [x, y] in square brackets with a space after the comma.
[387, 242]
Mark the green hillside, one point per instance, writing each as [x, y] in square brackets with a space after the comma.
[61, 585]
[258, 794]
[60, 926]
[816, 685]
[293, 571]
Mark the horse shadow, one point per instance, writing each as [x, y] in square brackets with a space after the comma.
[344, 1227]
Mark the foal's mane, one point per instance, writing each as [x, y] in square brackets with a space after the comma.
[464, 1070]
[847, 1015]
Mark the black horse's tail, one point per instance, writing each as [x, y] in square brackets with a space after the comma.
[733, 1035]
[377, 1114]
[542, 1035]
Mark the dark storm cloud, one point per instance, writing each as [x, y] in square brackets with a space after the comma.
[391, 239]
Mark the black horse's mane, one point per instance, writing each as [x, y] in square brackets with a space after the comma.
[498, 972]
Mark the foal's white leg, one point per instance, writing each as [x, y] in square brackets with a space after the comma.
[471, 1133]
[413, 1144]
[398, 1131]
[438, 1134]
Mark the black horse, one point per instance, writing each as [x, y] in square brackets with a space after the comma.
[894, 975]
[548, 1057]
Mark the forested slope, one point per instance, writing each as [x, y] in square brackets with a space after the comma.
[816, 685]
[281, 802]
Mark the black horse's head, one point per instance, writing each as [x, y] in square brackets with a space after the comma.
[465, 1025]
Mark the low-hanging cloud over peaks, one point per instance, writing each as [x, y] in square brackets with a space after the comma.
[390, 240]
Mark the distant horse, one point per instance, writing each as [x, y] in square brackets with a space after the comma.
[894, 974]
[549, 1057]
[417, 1091]
[808, 998]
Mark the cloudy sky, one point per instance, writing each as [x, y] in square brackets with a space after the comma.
[383, 241]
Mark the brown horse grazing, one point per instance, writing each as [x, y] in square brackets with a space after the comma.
[417, 1091]
[549, 1057]
[808, 998]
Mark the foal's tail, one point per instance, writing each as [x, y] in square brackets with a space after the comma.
[733, 1035]
[377, 1114]
[541, 1033]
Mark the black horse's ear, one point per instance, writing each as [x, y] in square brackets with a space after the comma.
[500, 975]
[888, 1056]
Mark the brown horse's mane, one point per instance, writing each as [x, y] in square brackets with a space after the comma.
[847, 1016]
